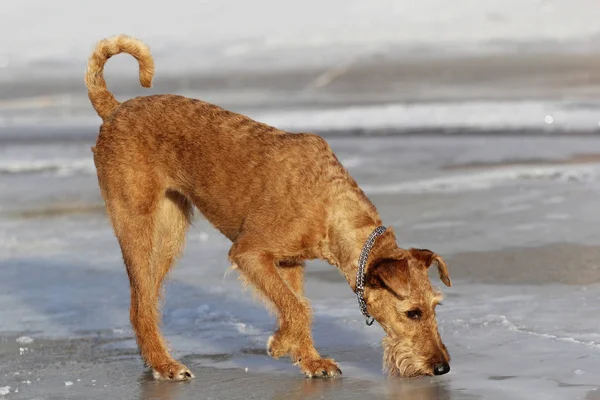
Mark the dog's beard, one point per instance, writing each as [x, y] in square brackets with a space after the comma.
[399, 361]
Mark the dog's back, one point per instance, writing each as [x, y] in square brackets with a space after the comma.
[227, 164]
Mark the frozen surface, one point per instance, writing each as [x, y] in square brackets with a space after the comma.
[483, 115]
[510, 335]
[391, 119]
[514, 214]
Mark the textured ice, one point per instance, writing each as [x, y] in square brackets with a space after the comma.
[483, 180]
[506, 341]
[62, 272]
[454, 116]
[449, 115]
[53, 166]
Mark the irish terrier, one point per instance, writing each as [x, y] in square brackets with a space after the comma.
[281, 198]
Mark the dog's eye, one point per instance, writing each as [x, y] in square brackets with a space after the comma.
[414, 314]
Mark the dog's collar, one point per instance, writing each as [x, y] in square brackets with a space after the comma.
[360, 274]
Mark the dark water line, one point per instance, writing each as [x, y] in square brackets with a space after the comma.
[38, 134]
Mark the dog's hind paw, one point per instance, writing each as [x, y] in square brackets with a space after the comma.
[172, 372]
[276, 346]
[320, 368]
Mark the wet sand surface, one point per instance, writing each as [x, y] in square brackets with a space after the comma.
[559, 263]
[50, 367]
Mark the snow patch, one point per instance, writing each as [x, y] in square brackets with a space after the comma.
[24, 340]
[60, 167]
[487, 179]
[442, 115]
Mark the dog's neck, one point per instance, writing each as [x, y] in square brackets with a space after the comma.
[349, 245]
[350, 225]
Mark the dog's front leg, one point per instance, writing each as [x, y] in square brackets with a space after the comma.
[294, 315]
[280, 344]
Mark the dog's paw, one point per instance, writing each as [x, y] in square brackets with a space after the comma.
[320, 368]
[172, 372]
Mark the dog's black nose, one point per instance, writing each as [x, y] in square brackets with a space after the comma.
[441, 369]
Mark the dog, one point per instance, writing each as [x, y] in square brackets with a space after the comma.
[281, 198]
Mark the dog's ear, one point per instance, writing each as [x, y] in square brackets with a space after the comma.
[389, 273]
[428, 257]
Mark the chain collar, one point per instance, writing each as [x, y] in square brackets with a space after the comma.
[360, 274]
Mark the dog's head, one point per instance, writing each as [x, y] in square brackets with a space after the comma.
[400, 297]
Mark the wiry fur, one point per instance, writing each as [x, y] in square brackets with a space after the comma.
[102, 100]
[281, 198]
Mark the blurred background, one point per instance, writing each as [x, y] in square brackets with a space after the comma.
[403, 64]
[472, 125]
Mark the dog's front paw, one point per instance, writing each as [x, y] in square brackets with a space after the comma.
[320, 368]
[172, 371]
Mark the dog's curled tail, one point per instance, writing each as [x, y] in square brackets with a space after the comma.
[103, 101]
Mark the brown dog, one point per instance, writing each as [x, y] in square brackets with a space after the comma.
[281, 198]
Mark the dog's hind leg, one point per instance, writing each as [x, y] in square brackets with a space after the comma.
[294, 315]
[174, 217]
[143, 221]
